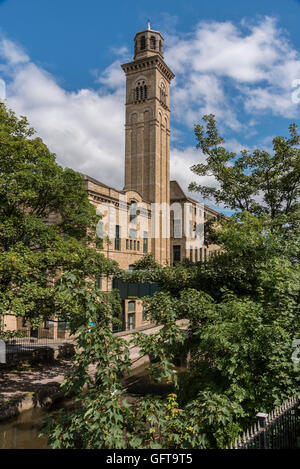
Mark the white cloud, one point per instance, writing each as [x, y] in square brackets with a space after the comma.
[84, 128]
[256, 60]
[13, 53]
[181, 162]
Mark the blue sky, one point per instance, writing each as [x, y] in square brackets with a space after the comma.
[61, 60]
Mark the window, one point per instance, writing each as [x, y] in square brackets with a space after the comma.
[191, 229]
[163, 93]
[127, 243]
[138, 245]
[134, 245]
[131, 321]
[63, 325]
[152, 42]
[131, 268]
[98, 282]
[176, 254]
[117, 238]
[132, 213]
[143, 43]
[196, 255]
[200, 254]
[145, 242]
[131, 244]
[177, 232]
[205, 254]
[141, 91]
[191, 255]
[131, 306]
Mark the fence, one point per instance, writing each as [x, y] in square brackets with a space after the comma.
[277, 430]
[35, 342]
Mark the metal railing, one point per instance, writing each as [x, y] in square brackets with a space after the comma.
[277, 430]
[32, 343]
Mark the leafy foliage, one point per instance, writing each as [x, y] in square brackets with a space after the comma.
[46, 224]
[256, 182]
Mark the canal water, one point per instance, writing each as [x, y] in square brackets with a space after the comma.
[22, 432]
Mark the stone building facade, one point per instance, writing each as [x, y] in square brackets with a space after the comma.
[151, 214]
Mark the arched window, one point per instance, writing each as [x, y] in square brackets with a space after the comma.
[132, 212]
[152, 42]
[141, 91]
[163, 94]
[131, 306]
[143, 42]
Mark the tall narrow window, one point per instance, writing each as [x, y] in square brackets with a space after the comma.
[191, 255]
[152, 42]
[131, 321]
[98, 282]
[196, 255]
[145, 92]
[132, 213]
[143, 42]
[191, 228]
[177, 232]
[137, 93]
[163, 93]
[176, 253]
[145, 242]
[117, 238]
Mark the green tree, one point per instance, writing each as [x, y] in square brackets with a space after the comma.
[256, 182]
[46, 225]
[243, 312]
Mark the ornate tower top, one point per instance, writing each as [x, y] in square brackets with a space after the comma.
[148, 43]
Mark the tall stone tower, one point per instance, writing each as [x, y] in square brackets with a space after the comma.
[147, 132]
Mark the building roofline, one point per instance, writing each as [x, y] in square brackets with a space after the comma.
[190, 199]
[149, 31]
